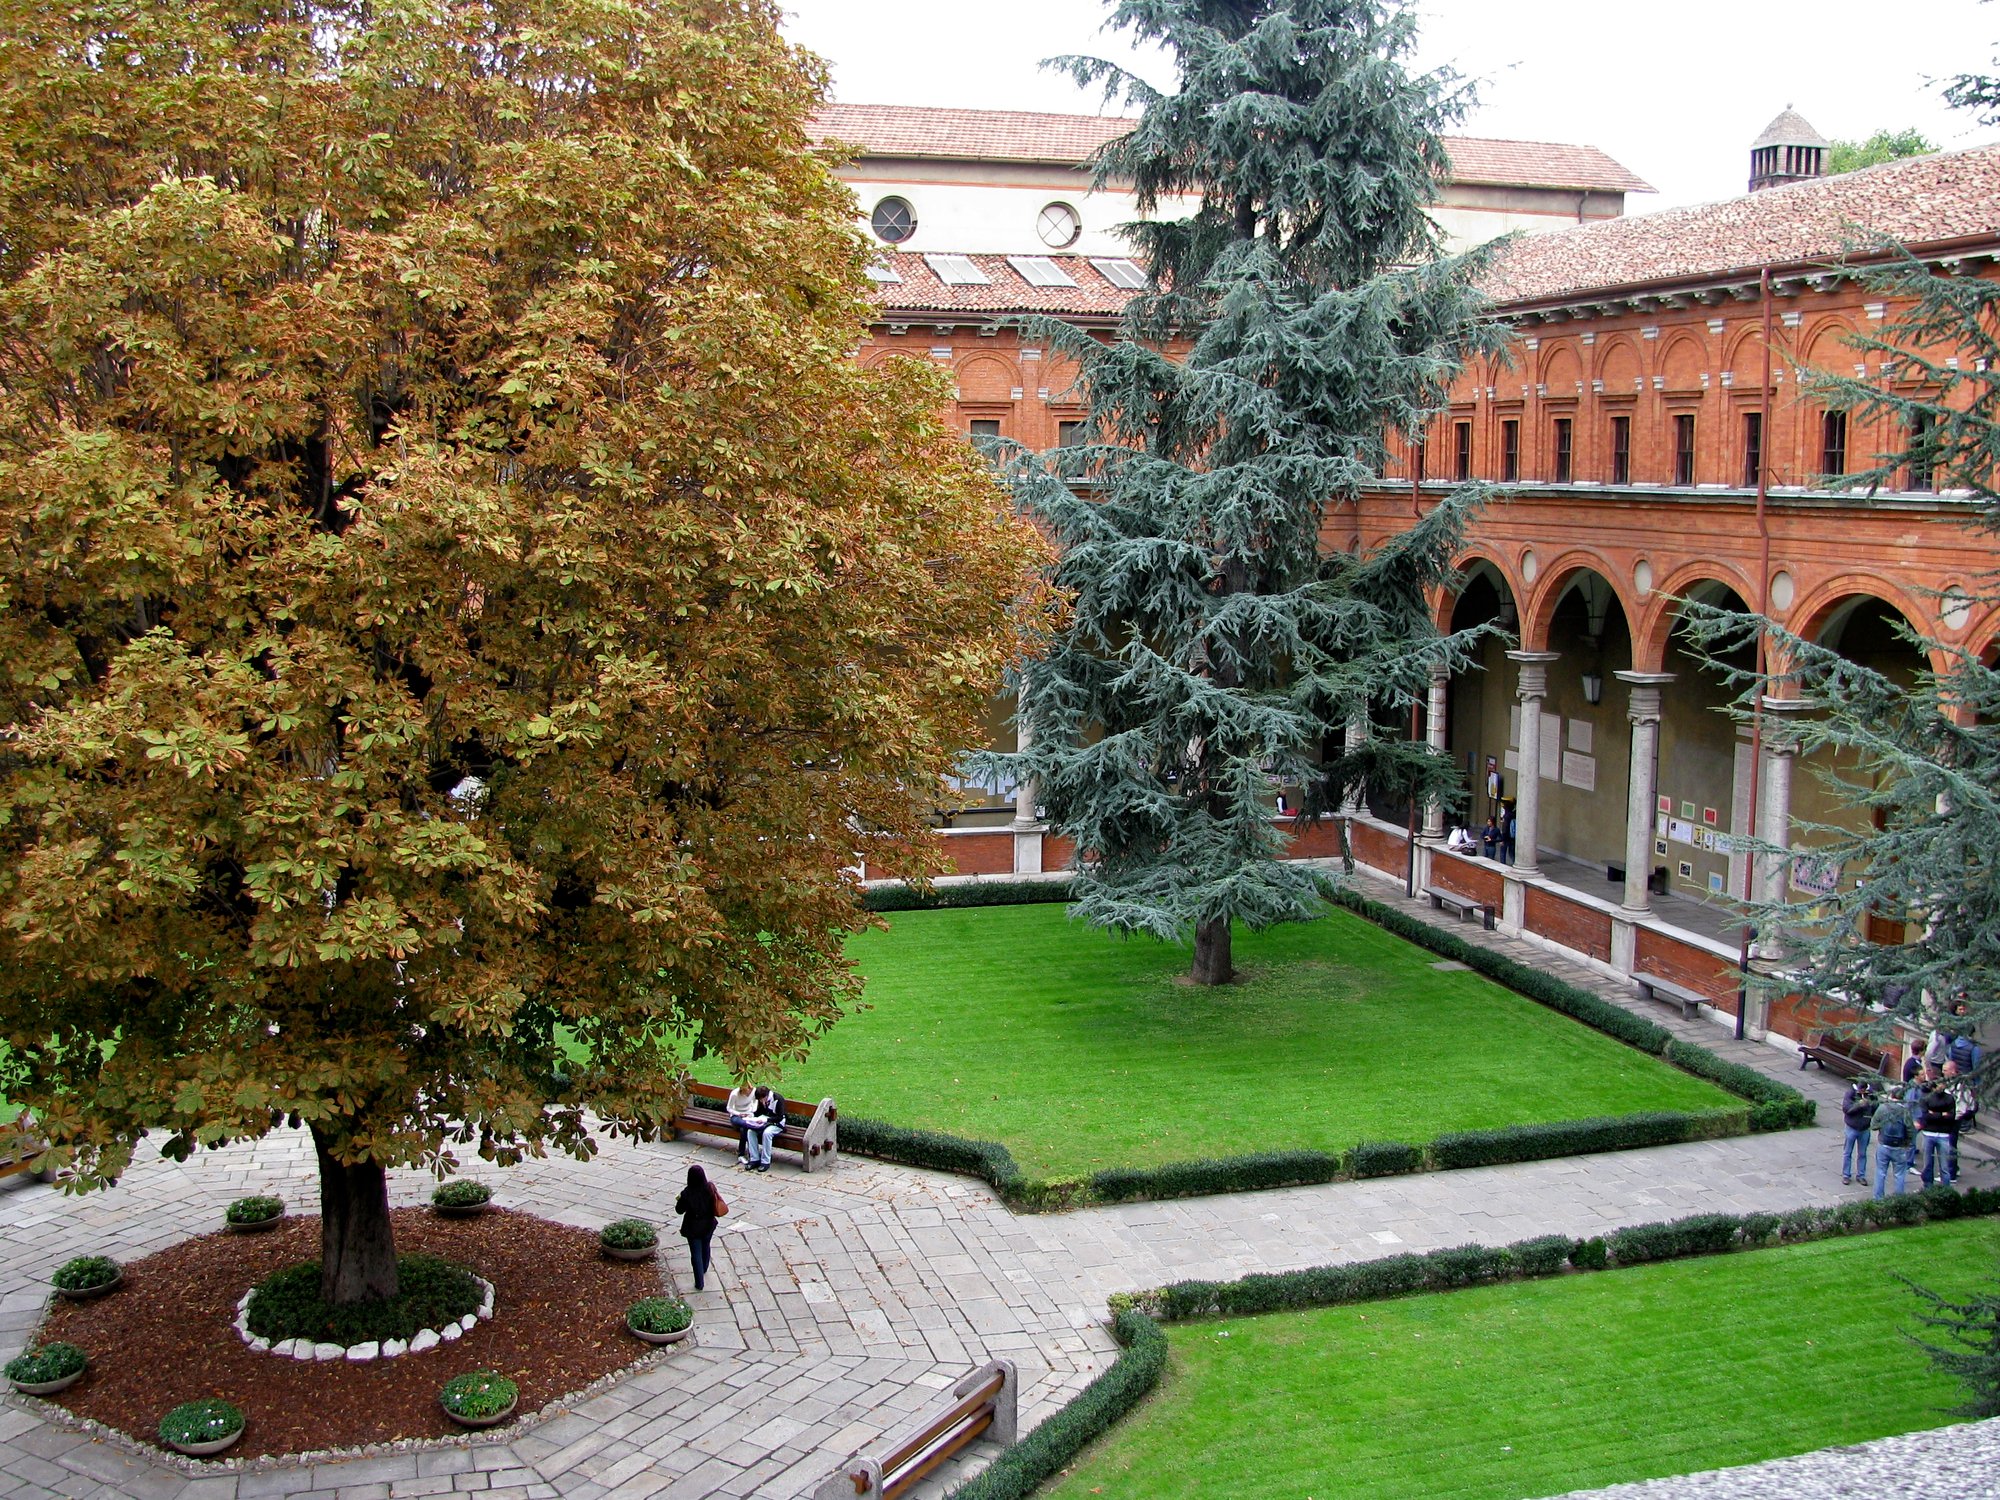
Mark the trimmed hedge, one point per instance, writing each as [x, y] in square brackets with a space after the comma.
[1023, 1468]
[1660, 1127]
[972, 893]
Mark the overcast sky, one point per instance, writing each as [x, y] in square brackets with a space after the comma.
[1674, 89]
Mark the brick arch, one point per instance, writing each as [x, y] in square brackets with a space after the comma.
[1982, 636]
[1809, 616]
[1555, 580]
[1619, 365]
[1444, 601]
[1656, 622]
[1746, 357]
[1823, 345]
[1559, 369]
[1682, 363]
[987, 378]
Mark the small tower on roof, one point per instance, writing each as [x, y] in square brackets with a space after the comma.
[1789, 150]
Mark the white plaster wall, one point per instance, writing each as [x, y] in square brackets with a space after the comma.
[982, 219]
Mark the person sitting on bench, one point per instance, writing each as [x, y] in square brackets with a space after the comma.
[767, 1118]
[741, 1103]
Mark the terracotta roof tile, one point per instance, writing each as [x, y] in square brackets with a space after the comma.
[1538, 164]
[1011, 135]
[920, 292]
[1921, 200]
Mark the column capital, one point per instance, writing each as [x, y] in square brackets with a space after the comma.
[1643, 694]
[1534, 673]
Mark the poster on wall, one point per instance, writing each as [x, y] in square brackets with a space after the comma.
[1552, 746]
[1708, 816]
[1680, 831]
[1579, 771]
[1664, 805]
[1686, 870]
[1580, 736]
[1815, 877]
[1660, 848]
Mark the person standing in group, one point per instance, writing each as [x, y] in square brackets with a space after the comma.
[699, 1206]
[767, 1119]
[1858, 1109]
[1896, 1142]
[742, 1102]
[1938, 1121]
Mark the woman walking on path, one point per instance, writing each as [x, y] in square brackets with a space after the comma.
[699, 1207]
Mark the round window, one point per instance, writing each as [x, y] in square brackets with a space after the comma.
[893, 221]
[1059, 225]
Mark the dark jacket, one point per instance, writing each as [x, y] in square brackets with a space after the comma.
[696, 1206]
[1858, 1108]
[1940, 1112]
[1893, 1118]
[773, 1109]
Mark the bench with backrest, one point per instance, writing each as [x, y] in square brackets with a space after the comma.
[1848, 1056]
[1671, 992]
[986, 1404]
[1459, 906]
[19, 1146]
[817, 1139]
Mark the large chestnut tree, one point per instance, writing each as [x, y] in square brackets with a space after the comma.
[461, 606]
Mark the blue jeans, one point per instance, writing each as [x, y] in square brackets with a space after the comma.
[760, 1144]
[742, 1124]
[1854, 1154]
[1898, 1157]
[698, 1247]
[1937, 1154]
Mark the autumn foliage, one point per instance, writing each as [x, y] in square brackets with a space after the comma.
[458, 589]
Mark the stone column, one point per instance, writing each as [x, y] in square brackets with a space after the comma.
[1434, 723]
[1532, 686]
[1357, 731]
[1027, 827]
[1774, 816]
[1642, 786]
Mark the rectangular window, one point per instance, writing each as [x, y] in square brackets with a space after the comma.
[1753, 448]
[1923, 451]
[1684, 449]
[1565, 448]
[1069, 434]
[1621, 450]
[1461, 438]
[1510, 452]
[1417, 460]
[1833, 443]
[985, 427]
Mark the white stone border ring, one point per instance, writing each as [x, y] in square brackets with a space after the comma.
[424, 1338]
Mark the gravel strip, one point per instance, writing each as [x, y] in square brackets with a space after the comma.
[1946, 1463]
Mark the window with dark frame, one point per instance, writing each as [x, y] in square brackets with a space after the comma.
[1684, 449]
[1510, 452]
[1461, 439]
[1417, 460]
[1753, 448]
[1069, 434]
[1621, 450]
[1922, 475]
[1565, 448]
[986, 427]
[1833, 443]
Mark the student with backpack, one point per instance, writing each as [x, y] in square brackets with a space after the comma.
[1896, 1142]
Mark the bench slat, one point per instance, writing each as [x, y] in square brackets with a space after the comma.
[893, 1489]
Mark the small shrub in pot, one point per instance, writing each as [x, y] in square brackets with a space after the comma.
[659, 1320]
[478, 1398]
[87, 1276]
[259, 1211]
[202, 1427]
[44, 1371]
[629, 1239]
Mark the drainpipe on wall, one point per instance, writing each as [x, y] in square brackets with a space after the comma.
[1764, 445]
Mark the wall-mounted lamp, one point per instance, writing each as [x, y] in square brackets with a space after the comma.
[1593, 688]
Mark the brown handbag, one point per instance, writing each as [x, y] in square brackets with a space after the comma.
[721, 1208]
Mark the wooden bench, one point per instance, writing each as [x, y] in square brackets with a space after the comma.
[1459, 906]
[1667, 992]
[984, 1404]
[19, 1146]
[817, 1140]
[1850, 1057]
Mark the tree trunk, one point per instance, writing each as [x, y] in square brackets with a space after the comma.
[357, 1243]
[1211, 953]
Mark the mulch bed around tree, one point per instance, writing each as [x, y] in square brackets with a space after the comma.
[168, 1335]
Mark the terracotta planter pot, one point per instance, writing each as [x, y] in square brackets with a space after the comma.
[210, 1448]
[254, 1226]
[477, 1422]
[619, 1252]
[659, 1338]
[48, 1387]
[91, 1293]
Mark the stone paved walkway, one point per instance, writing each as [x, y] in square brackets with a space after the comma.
[845, 1302]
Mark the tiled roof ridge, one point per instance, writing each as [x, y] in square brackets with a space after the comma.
[1915, 200]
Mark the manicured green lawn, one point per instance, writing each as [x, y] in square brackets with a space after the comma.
[1080, 1050]
[1537, 1388]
